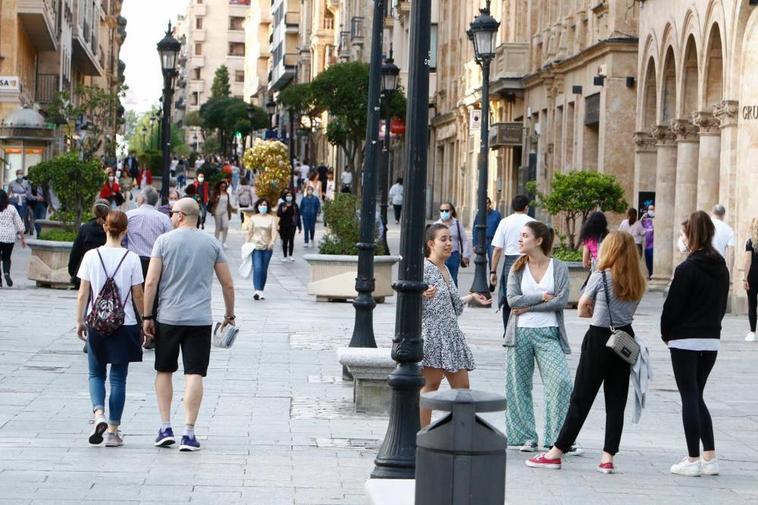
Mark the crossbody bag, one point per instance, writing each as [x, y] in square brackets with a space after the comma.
[620, 342]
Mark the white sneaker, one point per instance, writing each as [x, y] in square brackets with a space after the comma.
[283, 260]
[687, 468]
[292, 259]
[709, 467]
[529, 446]
[260, 293]
[257, 295]
[750, 337]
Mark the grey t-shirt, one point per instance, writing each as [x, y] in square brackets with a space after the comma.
[622, 310]
[188, 256]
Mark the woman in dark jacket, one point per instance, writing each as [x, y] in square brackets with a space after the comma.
[90, 236]
[289, 220]
[691, 327]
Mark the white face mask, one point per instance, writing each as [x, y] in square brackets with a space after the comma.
[200, 179]
[651, 213]
[111, 178]
[681, 245]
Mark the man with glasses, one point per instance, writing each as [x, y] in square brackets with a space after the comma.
[183, 261]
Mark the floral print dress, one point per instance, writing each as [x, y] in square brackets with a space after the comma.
[445, 345]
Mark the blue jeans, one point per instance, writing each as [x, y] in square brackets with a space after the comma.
[261, 259]
[22, 209]
[309, 223]
[40, 212]
[97, 373]
[453, 263]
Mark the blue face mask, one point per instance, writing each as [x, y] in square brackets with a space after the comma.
[445, 215]
[288, 199]
[262, 209]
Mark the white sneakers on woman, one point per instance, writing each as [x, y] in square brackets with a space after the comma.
[258, 295]
[696, 468]
[750, 337]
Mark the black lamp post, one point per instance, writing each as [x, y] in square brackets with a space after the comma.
[397, 456]
[291, 138]
[390, 77]
[250, 111]
[364, 303]
[168, 49]
[144, 134]
[482, 33]
[271, 109]
[152, 128]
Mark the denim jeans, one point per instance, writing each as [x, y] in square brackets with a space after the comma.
[22, 210]
[40, 212]
[261, 259]
[309, 223]
[97, 373]
[453, 263]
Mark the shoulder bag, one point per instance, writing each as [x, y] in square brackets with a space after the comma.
[464, 262]
[620, 342]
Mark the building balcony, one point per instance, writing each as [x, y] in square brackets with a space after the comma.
[198, 36]
[511, 61]
[506, 134]
[356, 30]
[47, 87]
[233, 36]
[198, 9]
[38, 17]
[292, 22]
[84, 54]
[197, 61]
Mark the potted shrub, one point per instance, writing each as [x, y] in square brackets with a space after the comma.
[574, 196]
[76, 183]
[334, 269]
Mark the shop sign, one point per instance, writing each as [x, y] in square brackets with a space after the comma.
[750, 112]
[9, 83]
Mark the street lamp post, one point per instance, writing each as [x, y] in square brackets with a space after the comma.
[152, 128]
[250, 111]
[168, 49]
[390, 77]
[144, 134]
[291, 138]
[397, 455]
[482, 33]
[364, 303]
[271, 109]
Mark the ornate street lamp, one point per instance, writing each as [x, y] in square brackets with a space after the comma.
[482, 32]
[168, 49]
[397, 455]
[144, 133]
[390, 78]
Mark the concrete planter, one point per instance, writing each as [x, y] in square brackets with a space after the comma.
[48, 266]
[332, 277]
[577, 276]
[49, 224]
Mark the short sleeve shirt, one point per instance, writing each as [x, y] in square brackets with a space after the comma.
[724, 236]
[622, 310]
[130, 274]
[188, 256]
[508, 232]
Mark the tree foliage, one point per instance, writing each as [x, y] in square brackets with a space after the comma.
[577, 194]
[221, 87]
[75, 182]
[227, 115]
[344, 226]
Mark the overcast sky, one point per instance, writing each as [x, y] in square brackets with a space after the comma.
[146, 24]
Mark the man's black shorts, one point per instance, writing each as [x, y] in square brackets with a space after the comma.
[194, 342]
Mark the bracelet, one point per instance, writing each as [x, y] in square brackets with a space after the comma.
[147, 318]
[493, 272]
[230, 318]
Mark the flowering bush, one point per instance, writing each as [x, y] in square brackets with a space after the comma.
[270, 159]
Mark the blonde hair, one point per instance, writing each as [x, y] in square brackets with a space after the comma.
[754, 233]
[619, 254]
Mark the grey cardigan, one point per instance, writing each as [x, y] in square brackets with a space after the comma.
[516, 300]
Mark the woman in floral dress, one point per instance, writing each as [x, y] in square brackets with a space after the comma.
[446, 353]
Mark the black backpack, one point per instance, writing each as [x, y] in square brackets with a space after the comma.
[107, 313]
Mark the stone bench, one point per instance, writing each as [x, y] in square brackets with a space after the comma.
[369, 367]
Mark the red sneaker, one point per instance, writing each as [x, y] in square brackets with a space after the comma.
[606, 468]
[542, 462]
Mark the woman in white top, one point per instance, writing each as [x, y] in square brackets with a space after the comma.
[396, 198]
[633, 227]
[462, 250]
[120, 347]
[11, 226]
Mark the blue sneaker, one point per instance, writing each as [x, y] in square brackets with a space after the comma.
[189, 444]
[165, 438]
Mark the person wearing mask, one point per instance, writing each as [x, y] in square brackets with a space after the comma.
[331, 190]
[505, 243]
[111, 191]
[396, 198]
[38, 206]
[750, 279]
[538, 289]
[244, 198]
[648, 226]
[446, 353]
[493, 221]
[202, 195]
[310, 208]
[346, 179]
[220, 204]
[261, 237]
[146, 224]
[691, 328]
[91, 235]
[591, 235]
[461, 254]
[723, 239]
[289, 221]
[19, 193]
[613, 293]
[121, 347]
[633, 227]
[184, 318]
[11, 226]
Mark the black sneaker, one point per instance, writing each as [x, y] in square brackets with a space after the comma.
[8, 280]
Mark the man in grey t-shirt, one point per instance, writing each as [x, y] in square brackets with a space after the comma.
[184, 261]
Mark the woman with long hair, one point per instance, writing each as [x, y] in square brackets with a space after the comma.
[612, 292]
[592, 234]
[289, 221]
[691, 327]
[261, 233]
[446, 353]
[91, 235]
[11, 226]
[538, 289]
[750, 279]
[633, 227]
[220, 204]
[121, 347]
[462, 250]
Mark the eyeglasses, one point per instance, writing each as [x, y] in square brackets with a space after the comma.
[444, 210]
[180, 212]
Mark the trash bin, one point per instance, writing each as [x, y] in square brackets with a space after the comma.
[460, 459]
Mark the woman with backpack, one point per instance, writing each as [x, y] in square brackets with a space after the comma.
[111, 286]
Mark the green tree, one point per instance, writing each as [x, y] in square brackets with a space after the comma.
[228, 115]
[577, 194]
[220, 87]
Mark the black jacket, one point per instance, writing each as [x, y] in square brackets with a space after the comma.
[696, 300]
[90, 236]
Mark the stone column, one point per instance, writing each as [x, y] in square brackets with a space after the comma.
[726, 113]
[709, 160]
[644, 164]
[665, 191]
[685, 203]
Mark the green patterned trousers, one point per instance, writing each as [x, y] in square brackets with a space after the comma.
[543, 346]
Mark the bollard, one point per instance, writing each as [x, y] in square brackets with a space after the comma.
[460, 459]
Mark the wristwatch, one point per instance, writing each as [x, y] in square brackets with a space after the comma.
[147, 318]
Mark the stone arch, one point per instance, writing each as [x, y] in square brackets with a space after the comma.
[667, 95]
[690, 78]
[648, 57]
[713, 68]
[649, 96]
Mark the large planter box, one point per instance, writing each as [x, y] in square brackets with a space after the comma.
[49, 224]
[577, 276]
[48, 266]
[333, 277]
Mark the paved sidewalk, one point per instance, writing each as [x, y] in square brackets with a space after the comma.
[277, 424]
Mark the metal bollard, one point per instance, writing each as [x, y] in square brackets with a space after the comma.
[460, 459]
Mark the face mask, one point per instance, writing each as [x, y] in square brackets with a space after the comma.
[262, 209]
[681, 245]
[200, 179]
[650, 213]
[19, 178]
[288, 199]
[111, 178]
[445, 215]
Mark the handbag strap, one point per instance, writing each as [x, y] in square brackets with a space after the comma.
[460, 240]
[607, 300]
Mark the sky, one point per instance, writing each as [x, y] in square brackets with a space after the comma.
[147, 21]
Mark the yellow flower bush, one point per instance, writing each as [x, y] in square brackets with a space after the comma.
[270, 159]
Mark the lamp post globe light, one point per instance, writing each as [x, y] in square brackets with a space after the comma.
[397, 455]
[168, 50]
[390, 78]
[482, 32]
